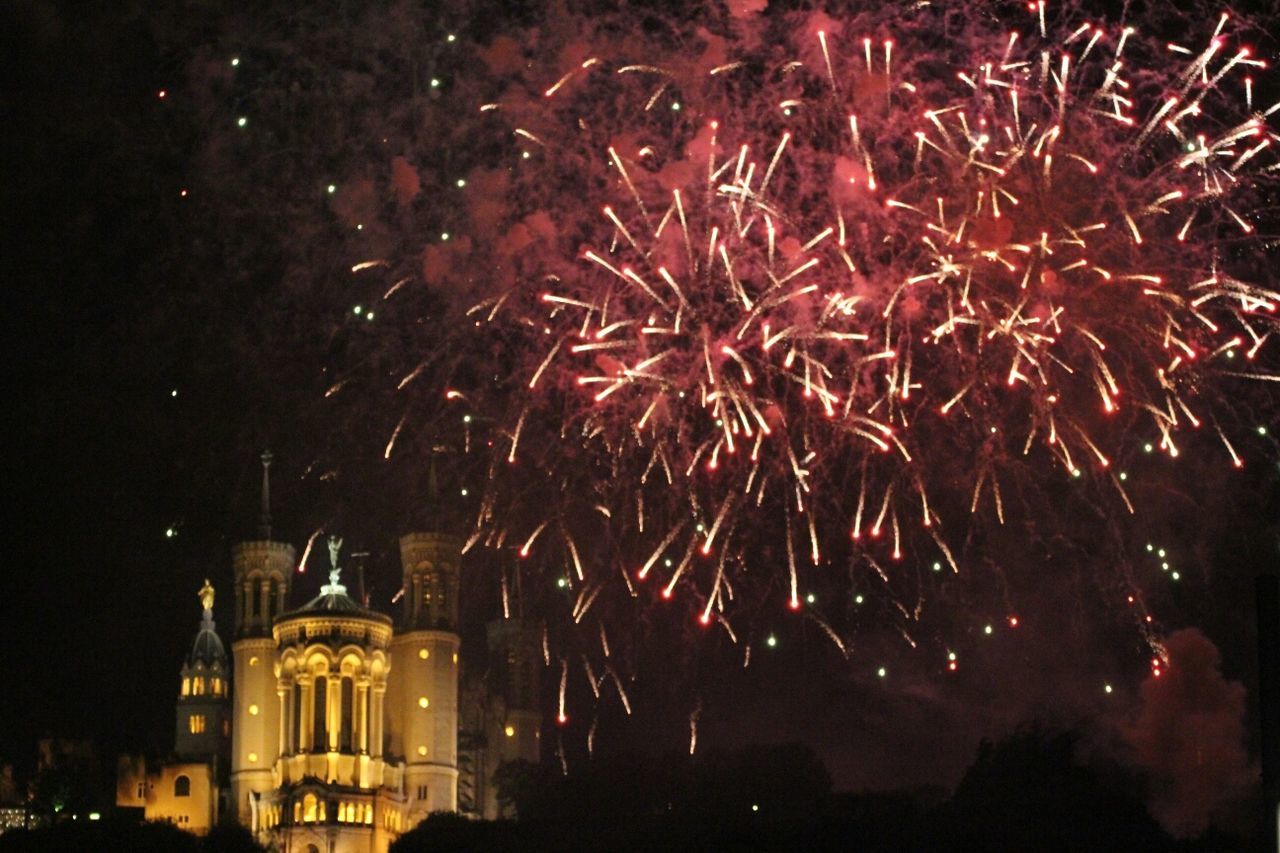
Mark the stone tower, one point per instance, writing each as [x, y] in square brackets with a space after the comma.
[422, 695]
[263, 569]
[203, 711]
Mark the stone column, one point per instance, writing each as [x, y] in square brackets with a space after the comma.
[375, 727]
[284, 690]
[362, 716]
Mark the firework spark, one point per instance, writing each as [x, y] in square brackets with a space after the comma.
[832, 310]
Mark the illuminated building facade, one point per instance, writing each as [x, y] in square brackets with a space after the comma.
[340, 730]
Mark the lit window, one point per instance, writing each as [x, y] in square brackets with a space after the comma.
[423, 702]
[424, 653]
[309, 807]
[510, 731]
[196, 723]
[253, 710]
[186, 687]
[217, 687]
[455, 657]
[197, 686]
[253, 756]
[182, 786]
[422, 750]
[253, 661]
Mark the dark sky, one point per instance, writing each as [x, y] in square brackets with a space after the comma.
[97, 604]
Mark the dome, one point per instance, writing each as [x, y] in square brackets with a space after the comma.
[334, 601]
[207, 648]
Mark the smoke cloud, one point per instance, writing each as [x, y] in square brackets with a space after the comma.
[1189, 736]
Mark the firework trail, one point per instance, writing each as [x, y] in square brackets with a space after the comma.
[827, 306]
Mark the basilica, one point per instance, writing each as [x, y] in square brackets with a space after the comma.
[334, 727]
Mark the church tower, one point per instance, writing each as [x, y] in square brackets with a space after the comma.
[422, 695]
[263, 569]
[335, 791]
[515, 650]
[203, 714]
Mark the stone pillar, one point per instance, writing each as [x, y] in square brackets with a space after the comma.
[362, 716]
[283, 692]
[375, 730]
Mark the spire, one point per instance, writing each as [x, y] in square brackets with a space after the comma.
[433, 482]
[264, 519]
[428, 507]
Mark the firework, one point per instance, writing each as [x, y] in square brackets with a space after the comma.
[825, 307]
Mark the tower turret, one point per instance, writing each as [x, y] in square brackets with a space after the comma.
[263, 569]
[422, 693]
[513, 724]
[203, 713]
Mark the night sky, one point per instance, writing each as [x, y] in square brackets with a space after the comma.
[178, 298]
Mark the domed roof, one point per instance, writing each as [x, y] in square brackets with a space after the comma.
[333, 600]
[207, 648]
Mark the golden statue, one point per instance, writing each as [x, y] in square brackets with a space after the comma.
[206, 595]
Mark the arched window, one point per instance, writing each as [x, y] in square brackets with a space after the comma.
[182, 786]
[347, 700]
[186, 687]
[197, 686]
[309, 804]
[319, 719]
[217, 686]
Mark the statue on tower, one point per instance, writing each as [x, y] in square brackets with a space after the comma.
[206, 595]
[333, 587]
[335, 545]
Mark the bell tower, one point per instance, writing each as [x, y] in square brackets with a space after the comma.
[262, 570]
[422, 695]
[202, 711]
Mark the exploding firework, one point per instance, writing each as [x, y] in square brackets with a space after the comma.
[827, 308]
